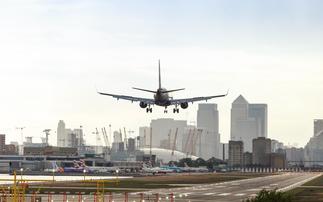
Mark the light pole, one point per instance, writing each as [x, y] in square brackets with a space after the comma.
[84, 171]
[21, 169]
[53, 174]
[117, 171]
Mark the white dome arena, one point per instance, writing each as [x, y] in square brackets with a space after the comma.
[166, 154]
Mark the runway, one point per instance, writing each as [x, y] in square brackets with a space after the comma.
[226, 191]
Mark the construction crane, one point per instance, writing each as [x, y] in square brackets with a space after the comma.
[191, 142]
[168, 142]
[98, 140]
[46, 131]
[174, 142]
[189, 134]
[106, 141]
[197, 135]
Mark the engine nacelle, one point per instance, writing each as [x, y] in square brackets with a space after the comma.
[184, 105]
[143, 104]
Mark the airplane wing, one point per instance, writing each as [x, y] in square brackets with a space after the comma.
[194, 99]
[130, 98]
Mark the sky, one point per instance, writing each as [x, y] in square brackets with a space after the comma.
[54, 54]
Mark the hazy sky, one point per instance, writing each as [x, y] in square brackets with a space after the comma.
[54, 53]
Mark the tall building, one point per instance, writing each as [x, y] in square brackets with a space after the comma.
[61, 135]
[247, 129]
[239, 110]
[235, 153]
[68, 137]
[208, 143]
[2, 144]
[318, 126]
[261, 149]
[144, 133]
[248, 121]
[259, 111]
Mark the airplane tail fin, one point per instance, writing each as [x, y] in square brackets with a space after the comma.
[82, 163]
[173, 164]
[186, 166]
[76, 165]
[159, 74]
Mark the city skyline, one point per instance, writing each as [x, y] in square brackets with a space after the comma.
[53, 54]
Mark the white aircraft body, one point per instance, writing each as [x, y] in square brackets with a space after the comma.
[99, 168]
[154, 170]
[161, 98]
[194, 169]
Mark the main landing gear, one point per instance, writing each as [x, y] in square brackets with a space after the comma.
[165, 111]
[149, 109]
[176, 109]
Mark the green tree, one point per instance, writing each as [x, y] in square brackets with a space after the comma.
[270, 196]
[199, 162]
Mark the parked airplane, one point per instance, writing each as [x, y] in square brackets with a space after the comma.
[177, 169]
[194, 169]
[161, 98]
[99, 169]
[155, 170]
[70, 170]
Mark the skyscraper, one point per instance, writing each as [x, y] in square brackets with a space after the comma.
[259, 111]
[61, 135]
[318, 126]
[208, 142]
[239, 110]
[248, 121]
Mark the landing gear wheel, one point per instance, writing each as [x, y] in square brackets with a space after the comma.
[165, 111]
[149, 110]
[175, 110]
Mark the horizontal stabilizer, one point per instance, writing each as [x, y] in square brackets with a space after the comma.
[168, 91]
[151, 91]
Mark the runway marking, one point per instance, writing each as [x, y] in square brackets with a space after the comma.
[240, 194]
[219, 186]
[207, 194]
[273, 184]
[224, 194]
[235, 184]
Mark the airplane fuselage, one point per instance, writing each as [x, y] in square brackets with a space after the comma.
[161, 97]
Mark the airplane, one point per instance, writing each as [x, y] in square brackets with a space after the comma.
[69, 170]
[177, 169]
[99, 169]
[155, 170]
[195, 169]
[161, 98]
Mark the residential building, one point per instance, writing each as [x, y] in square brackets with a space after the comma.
[261, 146]
[235, 153]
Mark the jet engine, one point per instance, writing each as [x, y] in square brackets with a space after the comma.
[143, 104]
[184, 105]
